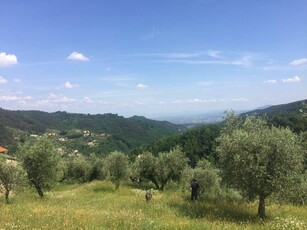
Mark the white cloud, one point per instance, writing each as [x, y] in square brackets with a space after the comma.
[213, 53]
[271, 81]
[291, 80]
[201, 58]
[68, 85]
[141, 86]
[14, 98]
[7, 59]
[2, 80]
[103, 102]
[176, 102]
[87, 100]
[197, 100]
[53, 98]
[298, 62]
[77, 57]
[138, 103]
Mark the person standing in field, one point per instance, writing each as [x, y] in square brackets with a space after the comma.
[194, 189]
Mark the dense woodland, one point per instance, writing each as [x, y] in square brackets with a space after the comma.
[114, 132]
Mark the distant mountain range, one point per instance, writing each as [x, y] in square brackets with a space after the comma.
[216, 117]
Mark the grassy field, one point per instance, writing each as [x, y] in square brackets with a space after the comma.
[97, 206]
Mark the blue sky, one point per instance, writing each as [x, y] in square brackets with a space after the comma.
[151, 58]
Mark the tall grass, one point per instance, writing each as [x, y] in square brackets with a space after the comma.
[97, 205]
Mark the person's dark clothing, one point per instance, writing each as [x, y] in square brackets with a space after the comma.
[194, 190]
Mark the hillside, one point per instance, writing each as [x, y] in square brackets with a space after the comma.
[292, 115]
[116, 132]
[199, 142]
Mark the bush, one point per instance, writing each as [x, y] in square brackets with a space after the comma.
[207, 177]
[78, 169]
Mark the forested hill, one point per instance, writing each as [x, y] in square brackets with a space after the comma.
[128, 132]
[292, 115]
[200, 142]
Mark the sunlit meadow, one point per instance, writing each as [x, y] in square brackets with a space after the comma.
[97, 205]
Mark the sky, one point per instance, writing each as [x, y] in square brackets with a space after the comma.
[151, 58]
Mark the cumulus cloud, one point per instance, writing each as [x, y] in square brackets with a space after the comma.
[271, 81]
[77, 57]
[298, 62]
[68, 85]
[2, 80]
[291, 80]
[87, 100]
[54, 98]
[7, 59]
[141, 86]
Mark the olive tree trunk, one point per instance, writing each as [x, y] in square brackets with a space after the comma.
[261, 207]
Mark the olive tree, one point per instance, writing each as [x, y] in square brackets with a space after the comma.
[144, 169]
[40, 159]
[161, 169]
[206, 175]
[78, 170]
[170, 166]
[257, 159]
[11, 177]
[117, 166]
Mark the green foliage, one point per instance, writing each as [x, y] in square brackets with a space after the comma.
[99, 171]
[258, 159]
[161, 169]
[294, 194]
[6, 136]
[79, 169]
[12, 177]
[123, 133]
[206, 175]
[117, 166]
[73, 134]
[144, 169]
[39, 159]
[197, 143]
[292, 115]
[170, 166]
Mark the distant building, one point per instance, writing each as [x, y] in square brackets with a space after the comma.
[3, 150]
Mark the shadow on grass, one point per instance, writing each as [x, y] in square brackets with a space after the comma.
[103, 188]
[215, 210]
